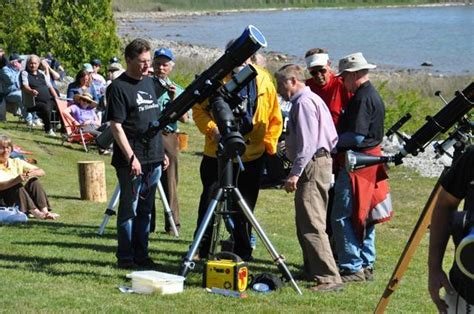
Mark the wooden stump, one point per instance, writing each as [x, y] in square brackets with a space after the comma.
[92, 180]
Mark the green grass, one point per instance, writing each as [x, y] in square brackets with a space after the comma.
[64, 266]
[198, 5]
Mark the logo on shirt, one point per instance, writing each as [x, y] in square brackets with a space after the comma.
[145, 101]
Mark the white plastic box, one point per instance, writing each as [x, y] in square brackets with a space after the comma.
[150, 281]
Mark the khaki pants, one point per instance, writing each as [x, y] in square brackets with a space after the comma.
[311, 199]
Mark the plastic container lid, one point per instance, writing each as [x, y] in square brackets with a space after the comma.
[261, 287]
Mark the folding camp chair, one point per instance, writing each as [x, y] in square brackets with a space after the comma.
[73, 131]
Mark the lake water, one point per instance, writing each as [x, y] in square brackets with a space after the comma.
[390, 37]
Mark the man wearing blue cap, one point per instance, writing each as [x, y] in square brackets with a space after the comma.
[9, 78]
[166, 91]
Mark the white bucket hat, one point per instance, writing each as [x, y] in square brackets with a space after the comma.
[354, 62]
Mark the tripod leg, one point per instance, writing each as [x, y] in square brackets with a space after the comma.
[412, 244]
[110, 210]
[188, 263]
[277, 258]
[215, 235]
[166, 206]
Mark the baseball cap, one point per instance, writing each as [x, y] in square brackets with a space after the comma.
[96, 62]
[164, 52]
[15, 57]
[88, 67]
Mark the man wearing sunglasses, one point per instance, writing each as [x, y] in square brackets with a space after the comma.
[325, 83]
[330, 88]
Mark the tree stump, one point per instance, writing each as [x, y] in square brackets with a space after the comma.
[92, 180]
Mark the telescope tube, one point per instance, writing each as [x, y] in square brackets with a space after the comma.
[440, 123]
[206, 84]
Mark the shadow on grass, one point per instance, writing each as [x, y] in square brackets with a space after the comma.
[64, 197]
[92, 247]
[44, 264]
[57, 225]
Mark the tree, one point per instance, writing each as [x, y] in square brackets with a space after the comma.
[75, 31]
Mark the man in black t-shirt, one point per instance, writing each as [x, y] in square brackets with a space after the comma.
[132, 106]
[357, 206]
[456, 185]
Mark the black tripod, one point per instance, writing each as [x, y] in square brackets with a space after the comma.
[224, 195]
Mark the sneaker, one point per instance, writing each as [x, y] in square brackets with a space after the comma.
[30, 123]
[38, 122]
[105, 152]
[327, 287]
[51, 133]
[348, 276]
[369, 273]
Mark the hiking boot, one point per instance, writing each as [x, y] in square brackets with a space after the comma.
[327, 287]
[369, 273]
[348, 276]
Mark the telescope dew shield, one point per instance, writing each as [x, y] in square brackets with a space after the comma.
[441, 122]
[210, 80]
[356, 161]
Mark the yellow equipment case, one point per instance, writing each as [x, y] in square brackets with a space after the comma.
[231, 274]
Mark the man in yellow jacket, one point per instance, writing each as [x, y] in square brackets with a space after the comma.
[261, 128]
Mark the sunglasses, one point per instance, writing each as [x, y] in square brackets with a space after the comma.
[315, 72]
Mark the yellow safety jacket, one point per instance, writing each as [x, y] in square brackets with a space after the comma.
[267, 121]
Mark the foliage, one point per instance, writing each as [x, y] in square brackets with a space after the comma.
[74, 31]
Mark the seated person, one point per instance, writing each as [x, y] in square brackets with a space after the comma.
[82, 84]
[9, 75]
[83, 111]
[38, 93]
[19, 184]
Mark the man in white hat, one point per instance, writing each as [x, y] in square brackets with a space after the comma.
[361, 197]
[325, 83]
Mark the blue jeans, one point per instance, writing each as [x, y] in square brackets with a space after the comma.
[137, 197]
[352, 254]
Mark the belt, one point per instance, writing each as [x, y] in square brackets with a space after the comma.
[322, 152]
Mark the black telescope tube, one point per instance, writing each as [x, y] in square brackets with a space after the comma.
[440, 123]
[210, 80]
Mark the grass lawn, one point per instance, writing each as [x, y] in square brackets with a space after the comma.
[64, 266]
